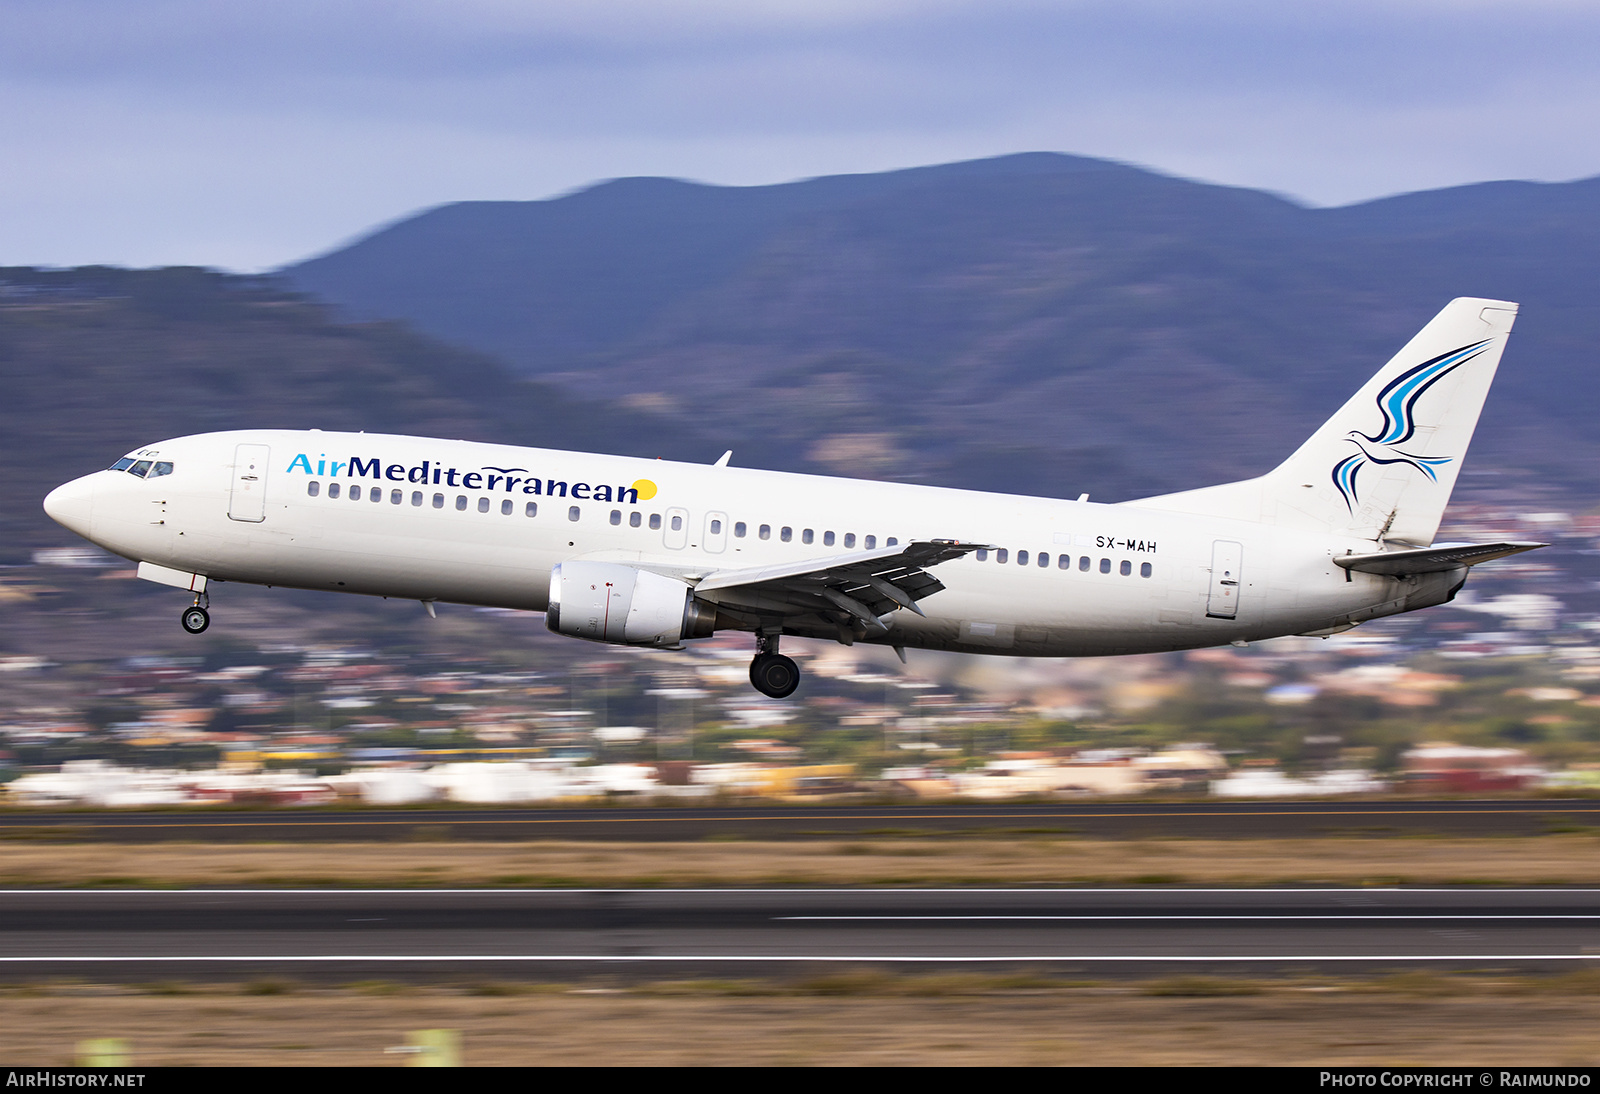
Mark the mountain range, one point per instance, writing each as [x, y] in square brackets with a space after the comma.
[1042, 323]
[1038, 323]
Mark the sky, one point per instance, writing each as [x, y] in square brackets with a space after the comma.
[245, 136]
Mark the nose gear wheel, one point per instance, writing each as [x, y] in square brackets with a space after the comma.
[195, 619]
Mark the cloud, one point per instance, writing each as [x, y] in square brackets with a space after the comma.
[248, 135]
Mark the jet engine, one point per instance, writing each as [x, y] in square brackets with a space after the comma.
[614, 602]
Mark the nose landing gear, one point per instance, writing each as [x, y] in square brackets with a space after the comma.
[773, 674]
[195, 618]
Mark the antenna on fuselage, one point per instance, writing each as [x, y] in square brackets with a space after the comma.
[722, 460]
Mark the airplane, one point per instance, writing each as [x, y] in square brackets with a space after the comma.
[655, 554]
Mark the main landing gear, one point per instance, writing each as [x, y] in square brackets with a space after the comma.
[772, 673]
[195, 618]
[775, 675]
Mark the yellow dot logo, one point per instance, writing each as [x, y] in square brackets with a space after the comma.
[646, 488]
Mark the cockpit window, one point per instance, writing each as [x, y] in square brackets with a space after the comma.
[144, 469]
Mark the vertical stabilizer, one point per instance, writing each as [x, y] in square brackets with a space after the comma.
[1383, 467]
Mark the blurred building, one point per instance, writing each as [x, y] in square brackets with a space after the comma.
[1462, 769]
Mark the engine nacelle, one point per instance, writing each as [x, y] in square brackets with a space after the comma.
[615, 602]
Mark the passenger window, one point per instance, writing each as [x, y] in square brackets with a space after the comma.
[375, 494]
[573, 512]
[827, 539]
[633, 520]
[483, 505]
[677, 524]
[531, 509]
[849, 539]
[808, 536]
[1022, 558]
[506, 507]
[1001, 555]
[655, 522]
[871, 543]
[616, 516]
[438, 501]
[716, 527]
[1065, 562]
[1044, 561]
[395, 496]
[787, 534]
[765, 531]
[1083, 564]
[983, 554]
[313, 488]
[355, 493]
[1105, 565]
[461, 503]
[416, 497]
[162, 468]
[891, 542]
[1126, 568]
[141, 469]
[1144, 569]
[738, 530]
[333, 490]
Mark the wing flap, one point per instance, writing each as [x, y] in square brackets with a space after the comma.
[862, 585]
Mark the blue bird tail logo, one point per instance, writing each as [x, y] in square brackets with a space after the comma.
[1397, 402]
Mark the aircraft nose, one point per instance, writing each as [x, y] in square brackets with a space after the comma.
[71, 505]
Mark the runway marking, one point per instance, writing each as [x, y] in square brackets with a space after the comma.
[1368, 917]
[282, 959]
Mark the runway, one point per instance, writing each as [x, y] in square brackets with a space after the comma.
[560, 934]
[1213, 819]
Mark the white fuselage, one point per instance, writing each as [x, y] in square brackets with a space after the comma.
[450, 521]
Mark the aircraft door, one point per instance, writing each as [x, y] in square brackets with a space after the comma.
[677, 532]
[716, 538]
[248, 500]
[1227, 558]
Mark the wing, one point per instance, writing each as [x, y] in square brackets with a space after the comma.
[859, 587]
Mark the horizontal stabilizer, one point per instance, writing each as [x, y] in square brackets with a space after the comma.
[1430, 560]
